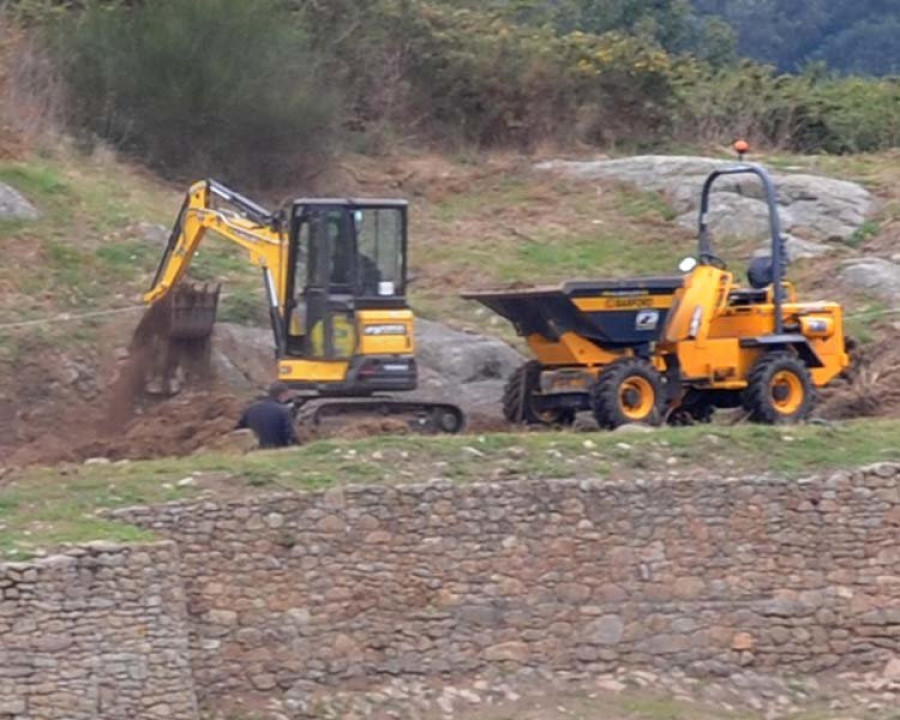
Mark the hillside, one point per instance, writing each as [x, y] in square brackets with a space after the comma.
[475, 224]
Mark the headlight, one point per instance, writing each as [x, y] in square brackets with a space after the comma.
[696, 319]
[396, 329]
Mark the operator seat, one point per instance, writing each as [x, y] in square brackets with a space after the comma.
[760, 275]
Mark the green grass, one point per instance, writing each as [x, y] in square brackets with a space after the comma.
[868, 230]
[86, 239]
[505, 191]
[43, 507]
[644, 205]
[863, 323]
[37, 181]
[591, 255]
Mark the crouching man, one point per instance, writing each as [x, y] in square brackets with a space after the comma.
[270, 418]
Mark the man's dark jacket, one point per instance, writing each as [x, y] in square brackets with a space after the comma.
[272, 423]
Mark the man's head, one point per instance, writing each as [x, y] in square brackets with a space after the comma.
[280, 391]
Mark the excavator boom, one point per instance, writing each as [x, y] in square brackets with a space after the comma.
[243, 222]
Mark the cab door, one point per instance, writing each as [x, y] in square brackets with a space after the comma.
[322, 285]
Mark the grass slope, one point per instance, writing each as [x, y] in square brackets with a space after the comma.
[474, 223]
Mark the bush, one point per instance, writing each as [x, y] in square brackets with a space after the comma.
[199, 87]
[245, 89]
[810, 112]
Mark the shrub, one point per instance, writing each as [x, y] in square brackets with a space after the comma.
[810, 112]
[225, 87]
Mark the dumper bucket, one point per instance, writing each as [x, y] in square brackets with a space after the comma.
[193, 311]
[613, 313]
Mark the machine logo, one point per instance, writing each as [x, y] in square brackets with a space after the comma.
[647, 320]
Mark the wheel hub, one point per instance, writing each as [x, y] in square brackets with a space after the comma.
[781, 393]
[787, 392]
[636, 398]
[632, 398]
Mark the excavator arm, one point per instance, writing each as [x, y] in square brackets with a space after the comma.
[244, 223]
[252, 227]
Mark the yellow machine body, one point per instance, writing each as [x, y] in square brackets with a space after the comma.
[352, 342]
[647, 349]
[341, 322]
[334, 272]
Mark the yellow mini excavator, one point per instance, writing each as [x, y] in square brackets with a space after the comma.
[648, 349]
[335, 276]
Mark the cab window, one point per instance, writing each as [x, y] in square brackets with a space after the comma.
[380, 250]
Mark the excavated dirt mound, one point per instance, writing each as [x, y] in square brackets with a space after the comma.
[179, 426]
[162, 401]
[871, 387]
[172, 427]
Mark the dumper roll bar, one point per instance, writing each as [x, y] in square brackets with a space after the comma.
[774, 229]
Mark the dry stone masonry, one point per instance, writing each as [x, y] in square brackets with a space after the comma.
[288, 593]
[99, 632]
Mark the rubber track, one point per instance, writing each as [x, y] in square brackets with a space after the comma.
[312, 412]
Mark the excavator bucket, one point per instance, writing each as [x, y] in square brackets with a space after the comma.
[193, 312]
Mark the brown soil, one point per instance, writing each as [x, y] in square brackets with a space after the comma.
[871, 387]
[175, 427]
[124, 421]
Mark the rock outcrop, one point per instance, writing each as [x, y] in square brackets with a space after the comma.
[13, 206]
[465, 368]
[873, 276]
[815, 208]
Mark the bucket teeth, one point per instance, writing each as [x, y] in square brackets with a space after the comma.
[193, 309]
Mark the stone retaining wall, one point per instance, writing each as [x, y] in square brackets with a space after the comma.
[98, 633]
[708, 575]
[281, 594]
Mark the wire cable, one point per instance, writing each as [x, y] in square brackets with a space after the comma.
[67, 317]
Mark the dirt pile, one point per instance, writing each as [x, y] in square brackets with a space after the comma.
[169, 428]
[166, 382]
[163, 401]
[175, 427]
[871, 387]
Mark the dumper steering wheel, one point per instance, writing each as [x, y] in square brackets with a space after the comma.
[708, 258]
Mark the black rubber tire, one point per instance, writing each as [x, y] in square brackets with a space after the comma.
[758, 399]
[606, 392]
[514, 393]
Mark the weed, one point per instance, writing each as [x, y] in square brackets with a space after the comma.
[861, 325]
[869, 229]
[244, 306]
[129, 257]
[36, 181]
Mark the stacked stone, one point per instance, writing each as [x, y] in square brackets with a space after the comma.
[706, 574]
[96, 633]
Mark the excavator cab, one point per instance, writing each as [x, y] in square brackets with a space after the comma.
[346, 256]
[347, 327]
